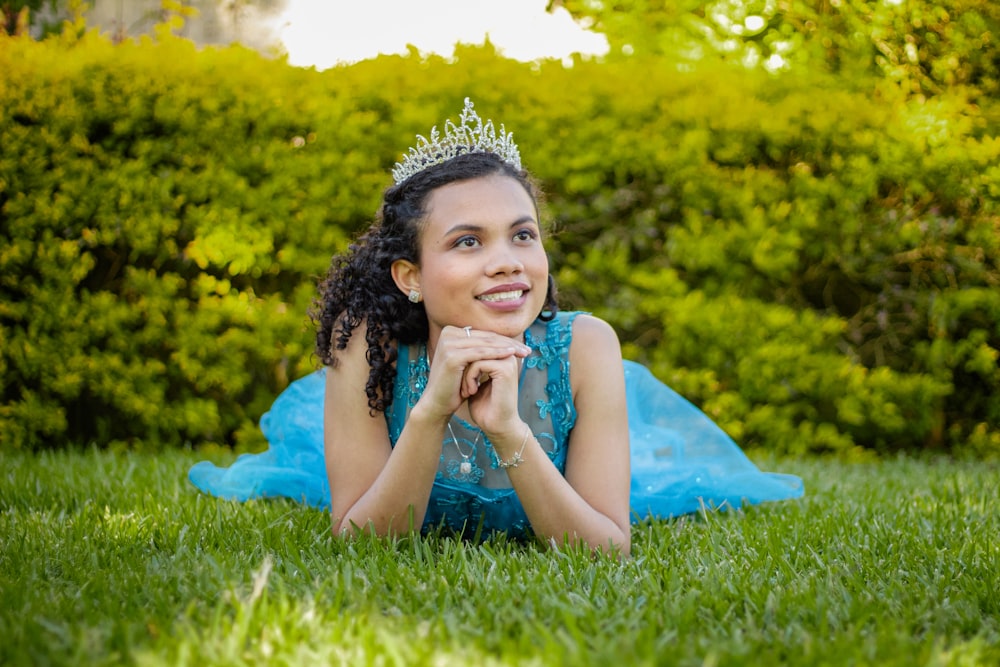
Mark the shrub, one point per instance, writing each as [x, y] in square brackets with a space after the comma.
[815, 267]
[154, 285]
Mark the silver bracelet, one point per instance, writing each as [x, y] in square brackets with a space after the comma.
[517, 459]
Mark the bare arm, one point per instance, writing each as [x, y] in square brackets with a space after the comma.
[373, 485]
[591, 503]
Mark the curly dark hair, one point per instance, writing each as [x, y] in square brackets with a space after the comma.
[359, 286]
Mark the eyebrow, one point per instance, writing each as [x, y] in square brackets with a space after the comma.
[468, 227]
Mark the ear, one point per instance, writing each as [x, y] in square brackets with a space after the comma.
[406, 275]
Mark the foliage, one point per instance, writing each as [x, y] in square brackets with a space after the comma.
[814, 265]
[923, 47]
[153, 274]
[115, 559]
[782, 264]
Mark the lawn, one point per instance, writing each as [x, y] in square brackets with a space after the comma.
[115, 559]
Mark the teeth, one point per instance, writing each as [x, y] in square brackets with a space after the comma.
[502, 296]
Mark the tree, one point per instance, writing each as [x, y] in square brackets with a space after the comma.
[924, 47]
[16, 14]
[216, 21]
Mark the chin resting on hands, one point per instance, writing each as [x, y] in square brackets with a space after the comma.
[478, 366]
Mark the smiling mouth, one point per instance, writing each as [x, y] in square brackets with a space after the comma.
[513, 295]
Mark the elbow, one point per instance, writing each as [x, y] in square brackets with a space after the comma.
[616, 544]
[623, 549]
[619, 540]
[619, 546]
[348, 527]
[342, 528]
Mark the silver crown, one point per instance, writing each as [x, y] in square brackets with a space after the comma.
[472, 136]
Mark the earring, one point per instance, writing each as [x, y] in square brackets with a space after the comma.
[414, 296]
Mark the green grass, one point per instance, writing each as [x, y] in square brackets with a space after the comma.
[113, 558]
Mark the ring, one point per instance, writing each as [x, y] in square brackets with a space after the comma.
[468, 331]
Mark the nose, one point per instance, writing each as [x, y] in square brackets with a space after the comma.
[504, 260]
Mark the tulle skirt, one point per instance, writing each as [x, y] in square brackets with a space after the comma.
[681, 461]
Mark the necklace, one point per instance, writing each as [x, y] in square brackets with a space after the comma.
[465, 467]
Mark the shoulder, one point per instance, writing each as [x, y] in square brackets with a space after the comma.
[561, 328]
[354, 351]
[595, 353]
[578, 333]
[348, 408]
[589, 330]
[356, 361]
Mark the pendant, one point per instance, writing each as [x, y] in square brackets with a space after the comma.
[465, 467]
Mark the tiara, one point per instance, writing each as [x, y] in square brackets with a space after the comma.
[471, 136]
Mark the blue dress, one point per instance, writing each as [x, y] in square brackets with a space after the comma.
[680, 460]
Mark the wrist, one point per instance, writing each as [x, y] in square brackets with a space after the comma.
[422, 414]
[509, 447]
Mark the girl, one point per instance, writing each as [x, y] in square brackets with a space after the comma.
[455, 393]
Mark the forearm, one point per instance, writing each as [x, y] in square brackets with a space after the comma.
[557, 512]
[402, 489]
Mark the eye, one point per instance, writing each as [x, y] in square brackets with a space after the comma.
[525, 235]
[467, 241]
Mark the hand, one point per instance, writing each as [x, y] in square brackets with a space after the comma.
[479, 366]
[491, 387]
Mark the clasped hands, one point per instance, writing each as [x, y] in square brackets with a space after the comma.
[480, 367]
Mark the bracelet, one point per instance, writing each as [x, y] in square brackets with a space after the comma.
[517, 459]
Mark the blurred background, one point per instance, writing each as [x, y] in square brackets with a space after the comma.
[787, 208]
[325, 33]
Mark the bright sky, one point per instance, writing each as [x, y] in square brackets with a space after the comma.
[322, 33]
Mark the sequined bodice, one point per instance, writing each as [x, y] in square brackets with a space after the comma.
[472, 493]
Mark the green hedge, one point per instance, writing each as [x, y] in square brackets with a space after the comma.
[816, 268]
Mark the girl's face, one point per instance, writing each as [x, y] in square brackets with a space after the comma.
[482, 263]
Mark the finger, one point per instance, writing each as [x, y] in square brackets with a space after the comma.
[482, 371]
[486, 343]
[487, 337]
[462, 359]
[473, 378]
[470, 386]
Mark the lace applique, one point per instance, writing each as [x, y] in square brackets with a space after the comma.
[419, 369]
[470, 474]
[545, 353]
[563, 413]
